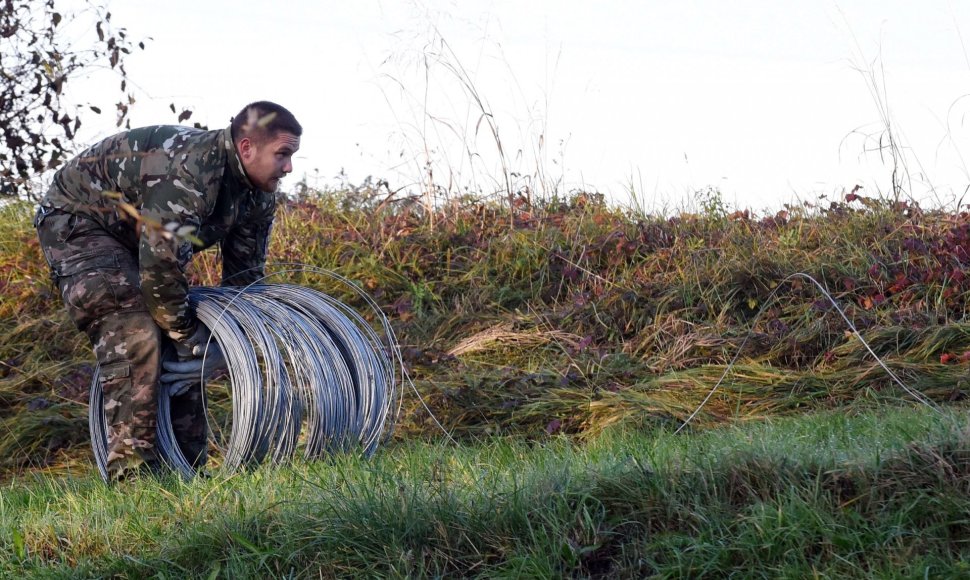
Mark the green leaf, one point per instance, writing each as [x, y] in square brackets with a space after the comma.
[215, 571]
[245, 543]
[19, 545]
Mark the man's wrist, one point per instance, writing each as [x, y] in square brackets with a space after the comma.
[183, 335]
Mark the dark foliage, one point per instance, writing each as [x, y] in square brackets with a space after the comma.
[37, 64]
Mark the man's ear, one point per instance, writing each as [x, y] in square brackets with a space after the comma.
[247, 149]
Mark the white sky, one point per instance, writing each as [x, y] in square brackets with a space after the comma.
[760, 99]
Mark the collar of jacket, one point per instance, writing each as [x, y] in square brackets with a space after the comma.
[235, 163]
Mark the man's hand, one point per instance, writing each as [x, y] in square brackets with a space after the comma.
[196, 364]
[194, 345]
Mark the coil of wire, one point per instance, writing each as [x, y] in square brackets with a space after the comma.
[305, 372]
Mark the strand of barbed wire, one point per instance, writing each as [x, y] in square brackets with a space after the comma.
[919, 397]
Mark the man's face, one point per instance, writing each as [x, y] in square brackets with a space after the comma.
[266, 163]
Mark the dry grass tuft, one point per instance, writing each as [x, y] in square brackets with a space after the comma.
[503, 336]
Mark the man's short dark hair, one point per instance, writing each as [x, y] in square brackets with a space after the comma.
[262, 121]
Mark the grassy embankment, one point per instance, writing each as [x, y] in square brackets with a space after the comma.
[557, 322]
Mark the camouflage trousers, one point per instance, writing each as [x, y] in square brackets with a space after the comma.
[99, 283]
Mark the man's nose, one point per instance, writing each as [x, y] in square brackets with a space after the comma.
[288, 166]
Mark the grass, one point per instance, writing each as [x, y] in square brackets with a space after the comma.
[571, 315]
[880, 493]
[561, 343]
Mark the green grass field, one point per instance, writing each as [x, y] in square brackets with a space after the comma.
[561, 344]
[882, 493]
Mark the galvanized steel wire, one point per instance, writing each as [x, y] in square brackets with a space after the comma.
[306, 371]
[918, 396]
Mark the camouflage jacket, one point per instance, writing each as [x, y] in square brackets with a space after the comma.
[165, 192]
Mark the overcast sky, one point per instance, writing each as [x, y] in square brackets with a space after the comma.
[766, 101]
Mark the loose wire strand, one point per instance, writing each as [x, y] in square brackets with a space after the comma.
[294, 353]
[919, 397]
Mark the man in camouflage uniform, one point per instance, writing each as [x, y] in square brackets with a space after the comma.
[118, 227]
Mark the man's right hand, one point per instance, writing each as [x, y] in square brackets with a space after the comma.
[194, 345]
[199, 359]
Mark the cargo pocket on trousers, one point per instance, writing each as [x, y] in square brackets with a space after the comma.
[81, 281]
[115, 387]
[94, 285]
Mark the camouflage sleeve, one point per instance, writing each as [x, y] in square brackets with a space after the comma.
[244, 249]
[173, 206]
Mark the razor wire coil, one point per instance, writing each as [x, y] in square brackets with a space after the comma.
[304, 370]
